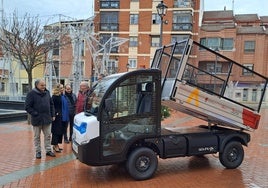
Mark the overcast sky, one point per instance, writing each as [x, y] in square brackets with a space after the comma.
[50, 9]
[239, 6]
[81, 9]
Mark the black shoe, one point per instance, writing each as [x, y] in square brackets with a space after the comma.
[70, 139]
[66, 141]
[51, 154]
[38, 155]
[56, 149]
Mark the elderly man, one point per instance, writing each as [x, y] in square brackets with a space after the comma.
[81, 97]
[40, 106]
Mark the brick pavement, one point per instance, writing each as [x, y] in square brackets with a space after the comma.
[19, 168]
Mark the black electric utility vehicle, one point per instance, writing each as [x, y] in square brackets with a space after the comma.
[122, 123]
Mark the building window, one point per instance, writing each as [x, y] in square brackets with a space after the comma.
[156, 19]
[56, 68]
[109, 4]
[182, 3]
[2, 86]
[227, 44]
[218, 43]
[112, 66]
[177, 38]
[25, 89]
[155, 41]
[134, 19]
[238, 95]
[82, 48]
[132, 63]
[210, 67]
[254, 95]
[249, 46]
[56, 49]
[105, 37]
[245, 94]
[213, 43]
[109, 21]
[133, 41]
[182, 21]
[214, 67]
[247, 72]
[82, 68]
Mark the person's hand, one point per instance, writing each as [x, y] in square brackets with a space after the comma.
[53, 118]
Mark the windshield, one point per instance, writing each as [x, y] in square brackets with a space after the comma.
[98, 90]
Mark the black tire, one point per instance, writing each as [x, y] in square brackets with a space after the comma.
[142, 163]
[232, 155]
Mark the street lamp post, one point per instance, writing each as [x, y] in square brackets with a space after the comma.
[161, 11]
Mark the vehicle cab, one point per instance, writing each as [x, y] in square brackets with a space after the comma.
[121, 109]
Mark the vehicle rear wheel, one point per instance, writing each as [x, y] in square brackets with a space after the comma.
[232, 155]
[142, 163]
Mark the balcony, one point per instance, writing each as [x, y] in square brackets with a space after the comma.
[109, 4]
[109, 26]
[183, 4]
[182, 26]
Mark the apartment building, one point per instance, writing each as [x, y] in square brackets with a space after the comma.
[242, 38]
[139, 22]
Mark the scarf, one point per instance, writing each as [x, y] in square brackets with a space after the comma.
[70, 97]
[65, 111]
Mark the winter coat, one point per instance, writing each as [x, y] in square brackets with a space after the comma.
[57, 127]
[65, 108]
[80, 103]
[71, 100]
[40, 106]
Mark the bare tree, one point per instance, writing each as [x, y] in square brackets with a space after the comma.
[27, 41]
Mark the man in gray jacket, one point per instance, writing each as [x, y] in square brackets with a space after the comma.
[40, 106]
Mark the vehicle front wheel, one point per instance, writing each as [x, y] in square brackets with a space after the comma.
[232, 155]
[142, 163]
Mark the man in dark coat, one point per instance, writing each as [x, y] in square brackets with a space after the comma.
[40, 106]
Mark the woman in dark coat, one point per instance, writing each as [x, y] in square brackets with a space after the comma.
[57, 129]
[71, 100]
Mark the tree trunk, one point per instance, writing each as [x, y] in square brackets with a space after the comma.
[30, 87]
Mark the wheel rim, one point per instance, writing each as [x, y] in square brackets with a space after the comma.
[142, 163]
[233, 155]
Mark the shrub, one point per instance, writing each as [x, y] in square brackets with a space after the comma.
[165, 112]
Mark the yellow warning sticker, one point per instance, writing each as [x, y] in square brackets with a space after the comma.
[194, 96]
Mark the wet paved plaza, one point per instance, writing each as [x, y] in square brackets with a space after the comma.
[20, 168]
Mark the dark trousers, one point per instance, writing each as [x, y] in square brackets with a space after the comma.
[71, 118]
[56, 139]
[65, 125]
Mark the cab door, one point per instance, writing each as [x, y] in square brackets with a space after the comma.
[131, 110]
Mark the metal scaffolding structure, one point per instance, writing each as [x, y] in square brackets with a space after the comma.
[82, 33]
[101, 52]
